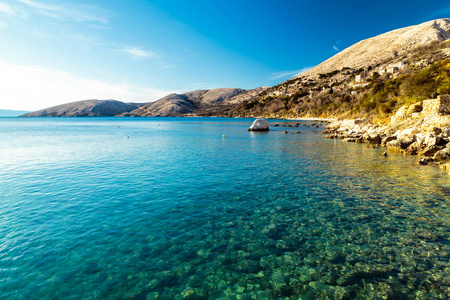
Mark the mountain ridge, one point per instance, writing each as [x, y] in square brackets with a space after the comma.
[394, 43]
[86, 108]
[187, 103]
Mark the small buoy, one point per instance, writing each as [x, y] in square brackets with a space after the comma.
[223, 135]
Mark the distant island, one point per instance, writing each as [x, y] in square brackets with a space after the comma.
[86, 108]
[12, 113]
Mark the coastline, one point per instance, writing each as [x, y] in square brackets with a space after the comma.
[421, 129]
[312, 119]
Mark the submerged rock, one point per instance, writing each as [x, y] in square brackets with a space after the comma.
[259, 125]
[423, 161]
[446, 167]
[349, 140]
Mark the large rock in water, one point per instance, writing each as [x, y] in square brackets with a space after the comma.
[259, 125]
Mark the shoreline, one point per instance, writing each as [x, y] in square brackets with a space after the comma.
[421, 129]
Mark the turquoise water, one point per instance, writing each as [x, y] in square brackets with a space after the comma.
[165, 208]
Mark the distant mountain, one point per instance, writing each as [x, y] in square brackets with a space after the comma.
[195, 102]
[12, 113]
[86, 108]
[245, 96]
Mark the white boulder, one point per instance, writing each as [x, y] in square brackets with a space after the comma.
[259, 125]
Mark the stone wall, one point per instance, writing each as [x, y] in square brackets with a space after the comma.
[444, 104]
[441, 105]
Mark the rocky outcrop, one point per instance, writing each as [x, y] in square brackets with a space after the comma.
[86, 108]
[259, 125]
[424, 132]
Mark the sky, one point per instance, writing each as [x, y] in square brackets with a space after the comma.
[58, 51]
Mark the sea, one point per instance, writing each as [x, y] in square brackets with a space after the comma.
[200, 208]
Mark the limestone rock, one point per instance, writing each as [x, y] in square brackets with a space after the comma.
[372, 137]
[259, 125]
[406, 112]
[413, 149]
[445, 132]
[443, 154]
[401, 142]
[349, 140]
[430, 150]
[395, 145]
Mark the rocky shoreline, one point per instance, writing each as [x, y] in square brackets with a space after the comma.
[421, 129]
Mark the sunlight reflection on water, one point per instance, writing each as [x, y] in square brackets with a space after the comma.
[168, 209]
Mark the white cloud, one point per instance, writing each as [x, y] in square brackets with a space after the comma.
[289, 74]
[6, 8]
[139, 52]
[336, 45]
[37, 87]
[77, 13]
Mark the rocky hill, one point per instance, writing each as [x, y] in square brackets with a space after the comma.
[372, 78]
[86, 108]
[388, 46]
[191, 103]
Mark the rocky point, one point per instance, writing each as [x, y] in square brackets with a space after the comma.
[417, 129]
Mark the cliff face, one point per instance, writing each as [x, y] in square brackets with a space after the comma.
[385, 46]
[86, 108]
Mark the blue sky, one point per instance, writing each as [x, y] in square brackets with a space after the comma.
[54, 52]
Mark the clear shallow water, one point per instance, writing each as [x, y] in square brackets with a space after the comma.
[168, 209]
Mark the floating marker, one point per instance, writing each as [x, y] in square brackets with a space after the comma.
[223, 135]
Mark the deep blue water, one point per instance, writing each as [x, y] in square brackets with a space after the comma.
[166, 208]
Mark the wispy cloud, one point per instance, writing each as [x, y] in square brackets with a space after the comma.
[442, 13]
[5, 8]
[77, 13]
[289, 74]
[336, 45]
[138, 52]
[37, 87]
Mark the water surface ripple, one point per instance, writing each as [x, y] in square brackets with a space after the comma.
[165, 208]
